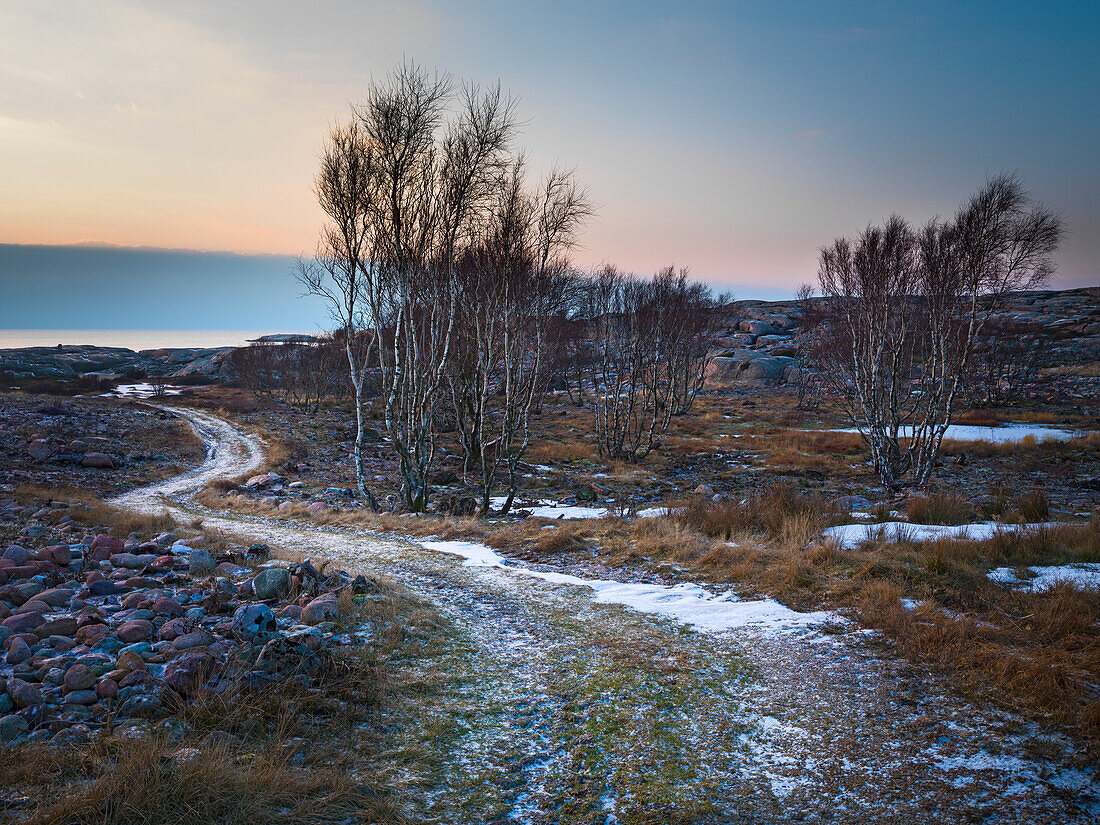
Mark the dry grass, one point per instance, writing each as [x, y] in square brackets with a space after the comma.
[150, 781]
[88, 509]
[939, 508]
[287, 754]
[778, 514]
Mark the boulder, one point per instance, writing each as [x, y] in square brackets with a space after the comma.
[252, 620]
[271, 583]
[79, 677]
[188, 672]
[39, 450]
[322, 609]
[135, 630]
[98, 461]
[200, 562]
[283, 657]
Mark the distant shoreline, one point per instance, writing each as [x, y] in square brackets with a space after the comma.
[136, 339]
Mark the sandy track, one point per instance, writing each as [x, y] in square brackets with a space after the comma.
[535, 703]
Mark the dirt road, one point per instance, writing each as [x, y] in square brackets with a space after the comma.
[536, 701]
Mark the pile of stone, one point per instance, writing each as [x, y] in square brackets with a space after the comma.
[273, 490]
[124, 633]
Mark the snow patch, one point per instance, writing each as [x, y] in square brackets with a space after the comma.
[1008, 434]
[1084, 576]
[848, 536]
[143, 390]
[686, 602]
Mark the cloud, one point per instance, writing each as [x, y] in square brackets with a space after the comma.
[811, 133]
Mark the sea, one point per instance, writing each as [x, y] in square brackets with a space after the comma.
[136, 339]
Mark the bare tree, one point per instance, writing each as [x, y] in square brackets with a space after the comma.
[300, 373]
[407, 188]
[1005, 362]
[512, 285]
[687, 314]
[342, 271]
[808, 383]
[907, 309]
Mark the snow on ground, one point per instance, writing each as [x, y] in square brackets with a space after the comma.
[548, 508]
[1084, 576]
[1008, 434]
[686, 602]
[141, 391]
[851, 535]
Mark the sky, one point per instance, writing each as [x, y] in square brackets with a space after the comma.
[733, 138]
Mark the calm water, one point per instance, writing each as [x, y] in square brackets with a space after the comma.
[135, 339]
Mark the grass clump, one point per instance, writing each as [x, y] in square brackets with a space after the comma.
[778, 514]
[939, 508]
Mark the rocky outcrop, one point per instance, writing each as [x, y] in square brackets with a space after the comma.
[757, 342]
[70, 362]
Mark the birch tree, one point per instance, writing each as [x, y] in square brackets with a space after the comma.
[906, 310]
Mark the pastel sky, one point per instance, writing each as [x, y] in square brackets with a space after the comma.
[734, 138]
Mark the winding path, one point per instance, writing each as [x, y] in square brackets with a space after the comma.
[529, 700]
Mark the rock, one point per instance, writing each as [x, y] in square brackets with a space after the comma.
[143, 705]
[24, 694]
[79, 677]
[283, 657]
[23, 622]
[129, 661]
[167, 606]
[175, 627]
[318, 507]
[252, 620]
[103, 587]
[187, 673]
[271, 583]
[58, 554]
[12, 726]
[17, 554]
[196, 638]
[757, 327]
[13, 594]
[132, 561]
[704, 490]
[55, 596]
[82, 697]
[18, 651]
[65, 626]
[98, 461]
[322, 609]
[135, 630]
[107, 689]
[103, 547]
[759, 369]
[200, 562]
[39, 450]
